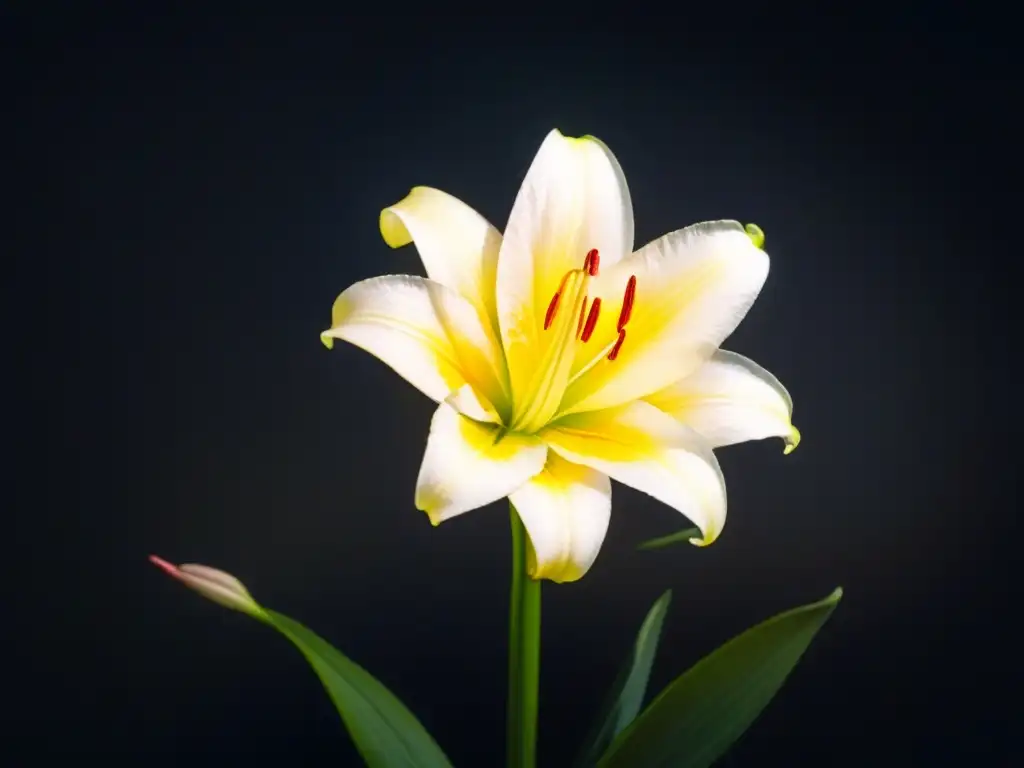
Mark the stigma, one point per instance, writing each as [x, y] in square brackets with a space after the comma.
[586, 321]
[591, 267]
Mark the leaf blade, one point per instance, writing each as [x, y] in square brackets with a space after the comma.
[672, 538]
[701, 713]
[384, 731]
[627, 693]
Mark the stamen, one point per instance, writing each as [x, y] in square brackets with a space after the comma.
[588, 329]
[538, 402]
[549, 316]
[552, 308]
[618, 344]
[583, 316]
[627, 303]
[592, 263]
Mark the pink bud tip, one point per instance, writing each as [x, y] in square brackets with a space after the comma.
[164, 566]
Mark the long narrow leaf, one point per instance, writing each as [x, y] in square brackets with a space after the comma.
[627, 694]
[384, 731]
[672, 538]
[698, 716]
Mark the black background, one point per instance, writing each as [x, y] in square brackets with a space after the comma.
[199, 187]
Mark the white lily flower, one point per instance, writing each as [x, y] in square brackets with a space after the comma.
[560, 358]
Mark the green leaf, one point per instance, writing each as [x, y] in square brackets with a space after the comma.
[672, 538]
[627, 695]
[698, 716]
[385, 732]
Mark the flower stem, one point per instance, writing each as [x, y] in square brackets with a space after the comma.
[523, 654]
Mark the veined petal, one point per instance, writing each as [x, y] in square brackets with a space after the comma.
[468, 464]
[574, 199]
[458, 246]
[429, 334]
[693, 287]
[646, 449]
[468, 402]
[565, 509]
[731, 399]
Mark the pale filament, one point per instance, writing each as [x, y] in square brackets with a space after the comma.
[588, 320]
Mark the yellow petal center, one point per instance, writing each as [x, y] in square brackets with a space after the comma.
[564, 323]
[571, 317]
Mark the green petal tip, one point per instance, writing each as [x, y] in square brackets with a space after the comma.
[756, 235]
[792, 441]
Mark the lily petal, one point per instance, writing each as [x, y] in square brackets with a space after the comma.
[469, 464]
[693, 287]
[467, 401]
[648, 450]
[731, 399]
[573, 199]
[565, 509]
[458, 246]
[430, 335]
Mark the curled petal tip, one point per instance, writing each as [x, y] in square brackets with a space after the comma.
[392, 228]
[427, 503]
[792, 441]
[328, 341]
[703, 541]
[756, 235]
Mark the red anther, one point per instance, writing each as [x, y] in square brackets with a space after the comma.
[627, 303]
[588, 329]
[583, 316]
[552, 308]
[592, 263]
[618, 344]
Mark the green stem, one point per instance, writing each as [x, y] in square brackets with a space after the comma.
[523, 654]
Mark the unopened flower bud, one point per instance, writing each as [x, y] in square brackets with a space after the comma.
[218, 586]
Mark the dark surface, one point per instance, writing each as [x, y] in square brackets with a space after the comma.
[199, 190]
